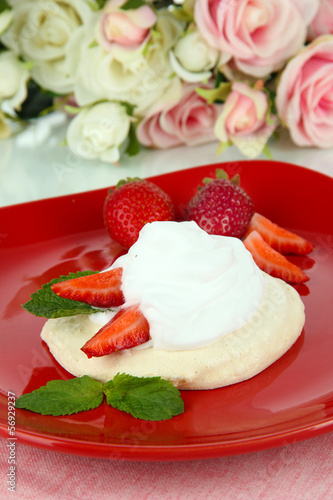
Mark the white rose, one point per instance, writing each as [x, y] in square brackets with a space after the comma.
[98, 131]
[13, 81]
[6, 17]
[42, 32]
[192, 58]
[137, 77]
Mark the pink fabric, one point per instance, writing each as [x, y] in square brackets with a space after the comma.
[299, 471]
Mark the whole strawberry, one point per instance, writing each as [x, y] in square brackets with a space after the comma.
[130, 205]
[221, 207]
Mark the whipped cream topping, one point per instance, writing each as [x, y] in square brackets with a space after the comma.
[192, 287]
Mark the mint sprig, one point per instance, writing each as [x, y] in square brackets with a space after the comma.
[63, 397]
[47, 304]
[146, 398]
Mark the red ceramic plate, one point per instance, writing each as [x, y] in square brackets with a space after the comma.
[289, 401]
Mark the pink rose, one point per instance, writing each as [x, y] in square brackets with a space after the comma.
[305, 94]
[188, 121]
[322, 24]
[260, 35]
[245, 120]
[125, 28]
[307, 9]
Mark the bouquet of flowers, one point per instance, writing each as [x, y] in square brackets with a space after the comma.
[158, 74]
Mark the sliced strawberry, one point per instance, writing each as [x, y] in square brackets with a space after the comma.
[277, 237]
[128, 328]
[98, 290]
[271, 261]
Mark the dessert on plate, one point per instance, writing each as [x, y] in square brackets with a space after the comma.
[199, 312]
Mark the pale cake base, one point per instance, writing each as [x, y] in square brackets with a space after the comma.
[235, 357]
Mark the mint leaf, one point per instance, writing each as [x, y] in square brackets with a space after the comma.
[147, 398]
[47, 304]
[63, 397]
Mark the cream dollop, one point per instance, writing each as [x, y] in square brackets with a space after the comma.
[192, 287]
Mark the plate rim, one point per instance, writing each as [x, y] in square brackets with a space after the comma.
[182, 452]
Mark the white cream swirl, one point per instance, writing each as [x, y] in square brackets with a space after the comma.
[192, 287]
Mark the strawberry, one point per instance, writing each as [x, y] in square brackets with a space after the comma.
[130, 205]
[271, 261]
[128, 328]
[98, 290]
[221, 207]
[277, 237]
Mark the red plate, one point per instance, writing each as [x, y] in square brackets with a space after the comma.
[289, 401]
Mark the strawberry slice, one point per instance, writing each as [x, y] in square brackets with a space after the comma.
[277, 237]
[98, 290]
[271, 261]
[128, 328]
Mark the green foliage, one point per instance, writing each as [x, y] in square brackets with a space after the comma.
[218, 94]
[63, 397]
[37, 101]
[133, 4]
[4, 5]
[133, 146]
[147, 398]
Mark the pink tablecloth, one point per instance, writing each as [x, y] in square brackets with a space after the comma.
[301, 470]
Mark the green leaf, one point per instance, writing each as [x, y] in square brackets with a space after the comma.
[4, 5]
[155, 34]
[28, 65]
[133, 146]
[47, 304]
[180, 13]
[147, 398]
[72, 110]
[133, 4]
[63, 397]
[93, 44]
[127, 181]
[188, 8]
[222, 146]
[218, 94]
[220, 77]
[36, 102]
[266, 151]
[129, 107]
[99, 4]
[221, 174]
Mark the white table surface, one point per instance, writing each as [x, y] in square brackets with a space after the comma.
[50, 169]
